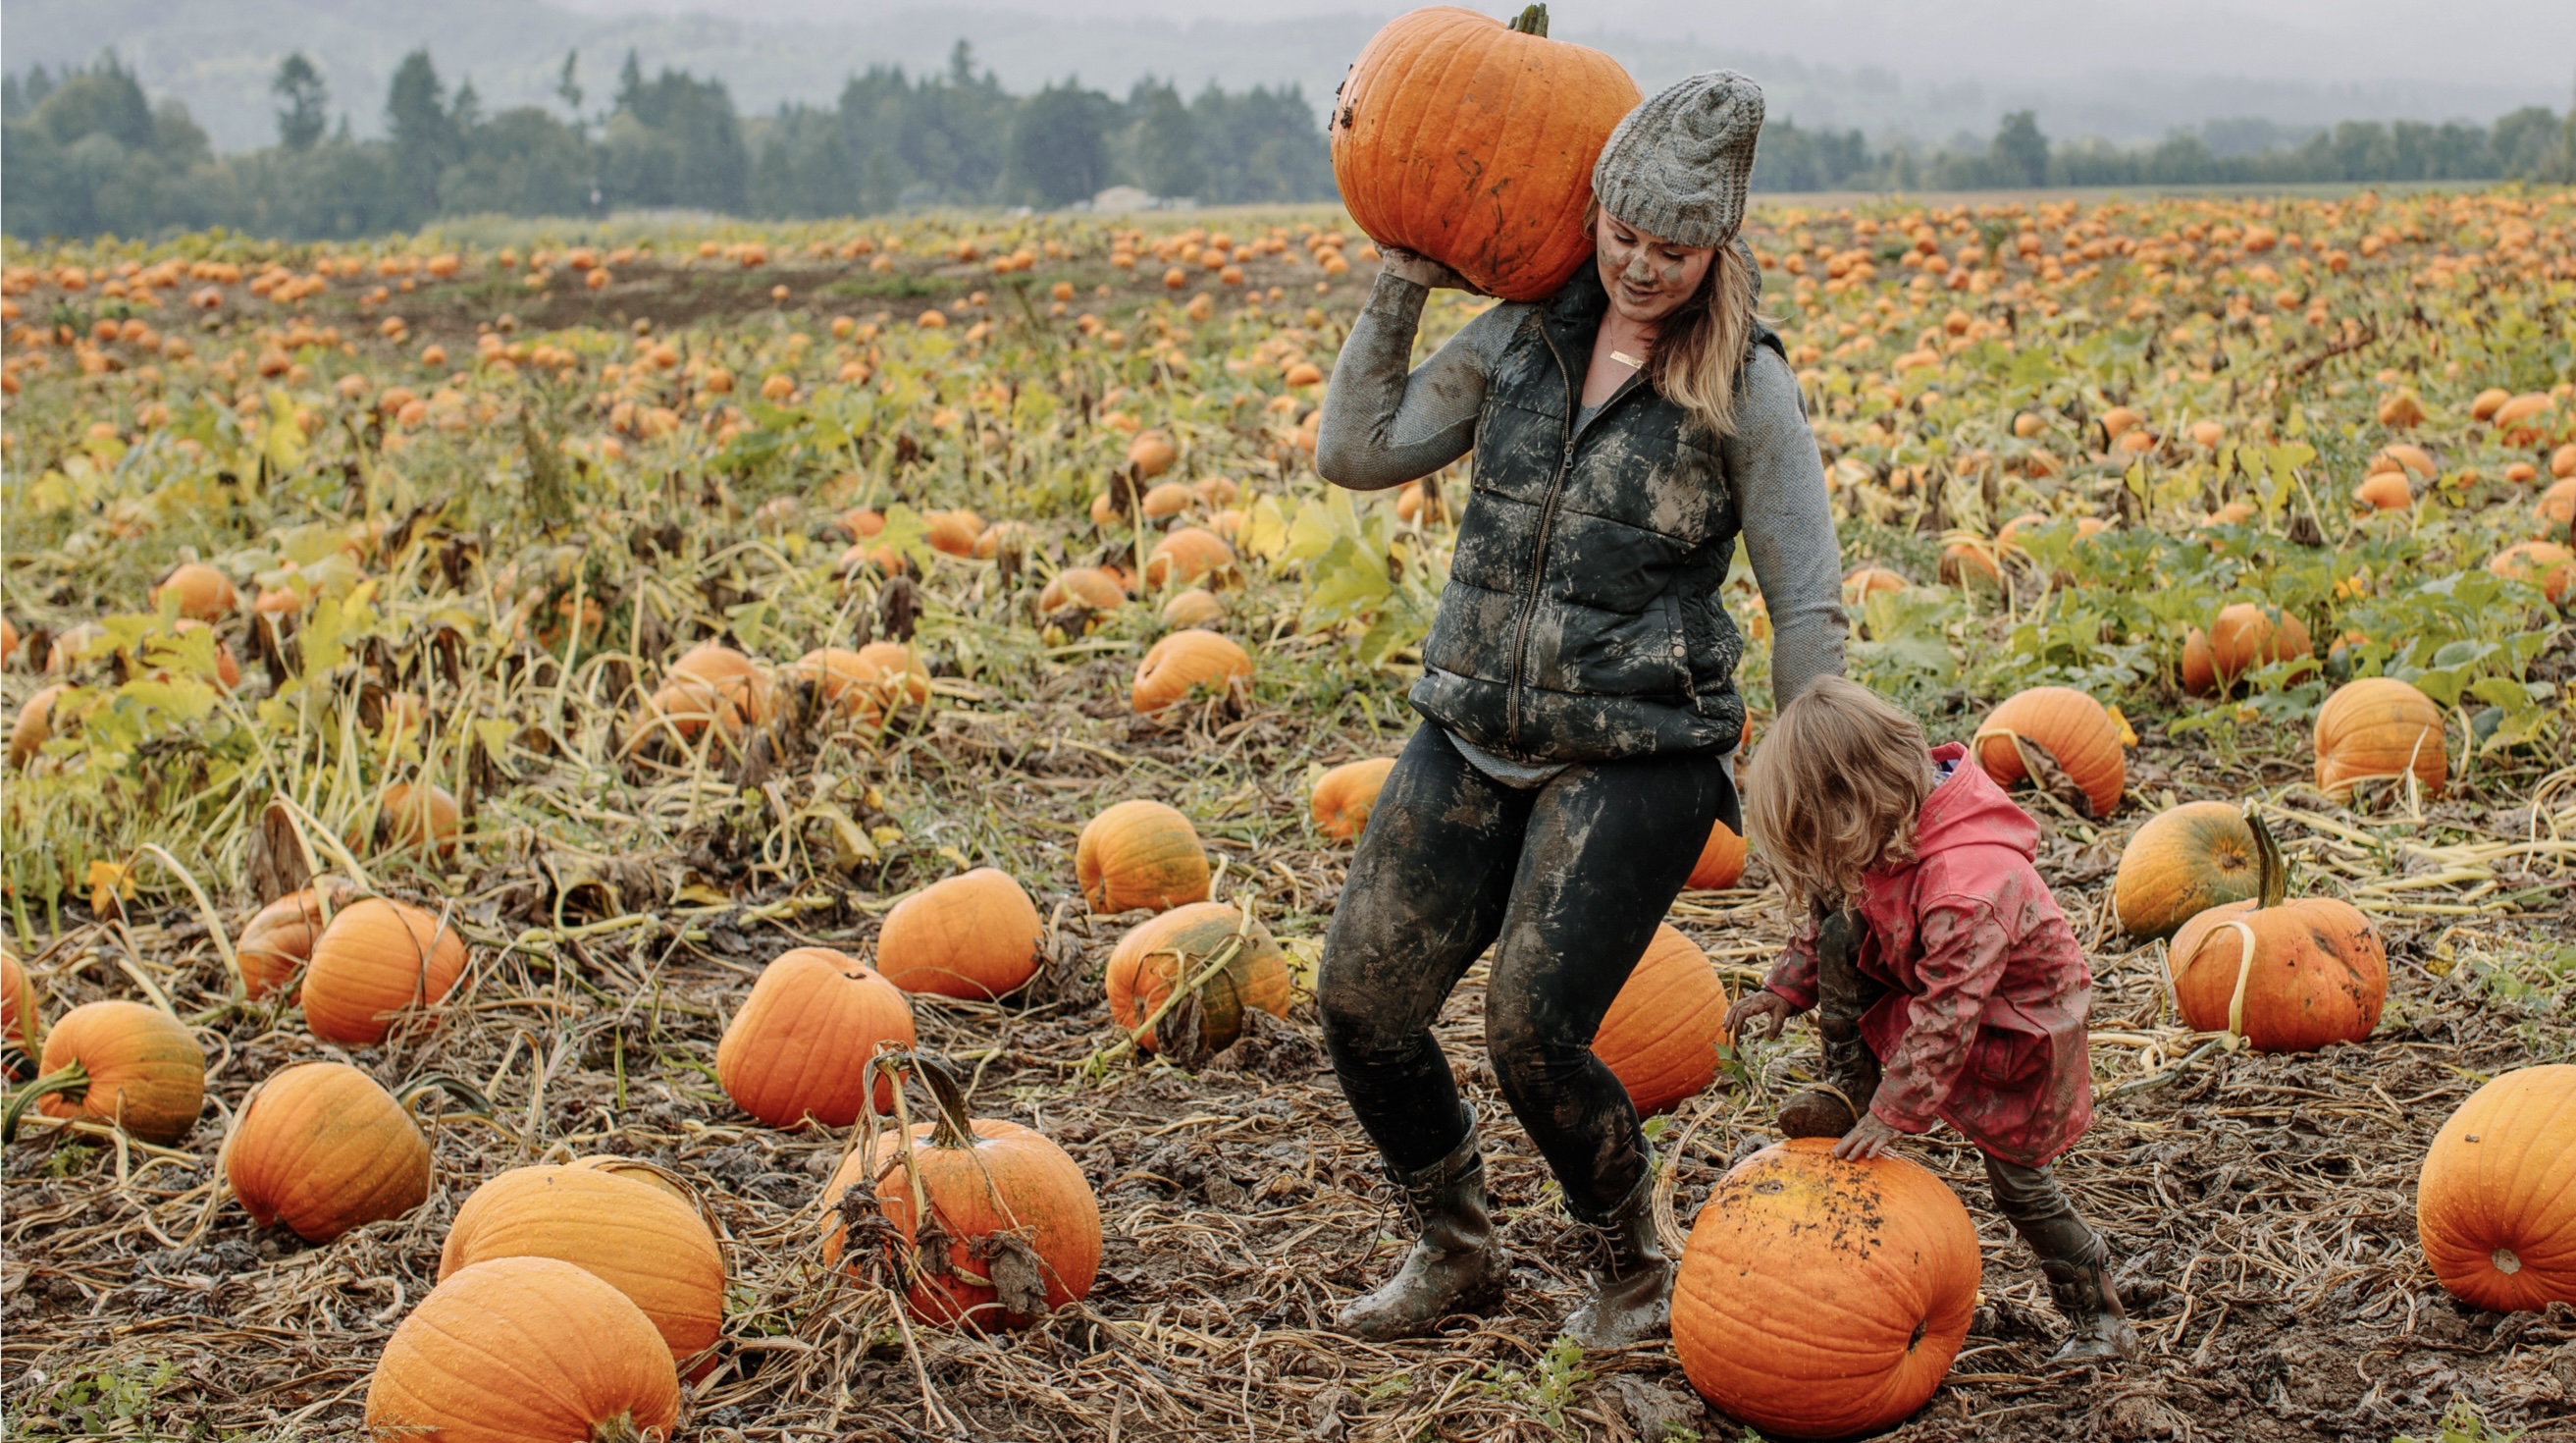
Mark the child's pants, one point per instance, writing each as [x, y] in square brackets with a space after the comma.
[1566, 881]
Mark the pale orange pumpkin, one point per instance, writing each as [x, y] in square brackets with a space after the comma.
[1088, 587]
[1186, 659]
[975, 935]
[2495, 1207]
[576, 1360]
[376, 958]
[735, 677]
[1140, 853]
[630, 1234]
[2378, 729]
[200, 592]
[320, 1147]
[801, 1044]
[1661, 1034]
[1187, 555]
[2183, 862]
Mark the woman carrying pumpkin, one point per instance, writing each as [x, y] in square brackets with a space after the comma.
[1965, 1000]
[1577, 688]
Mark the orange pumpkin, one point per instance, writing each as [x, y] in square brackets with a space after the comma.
[1189, 554]
[637, 1238]
[21, 1025]
[34, 726]
[1820, 1298]
[975, 935]
[278, 939]
[419, 817]
[1088, 587]
[524, 1348]
[952, 533]
[2378, 729]
[733, 676]
[1867, 582]
[2242, 638]
[2286, 976]
[1021, 1226]
[200, 592]
[1151, 454]
[1345, 796]
[1721, 860]
[2544, 564]
[376, 958]
[682, 710]
[1179, 947]
[1140, 853]
[2183, 862]
[320, 1147]
[2495, 1207]
[801, 1043]
[2073, 731]
[121, 1063]
[1661, 1034]
[1473, 144]
[1194, 607]
[1185, 659]
[867, 683]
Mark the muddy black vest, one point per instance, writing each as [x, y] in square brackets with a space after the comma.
[1581, 621]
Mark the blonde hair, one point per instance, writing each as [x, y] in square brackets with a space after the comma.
[1834, 790]
[1701, 348]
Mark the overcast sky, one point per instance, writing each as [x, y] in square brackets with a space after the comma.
[2521, 43]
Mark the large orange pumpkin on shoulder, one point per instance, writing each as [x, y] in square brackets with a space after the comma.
[1820, 1298]
[2496, 1206]
[975, 935]
[2316, 973]
[1021, 1226]
[1473, 142]
[638, 1238]
[2074, 732]
[524, 1348]
[1182, 946]
[1661, 1034]
[802, 1042]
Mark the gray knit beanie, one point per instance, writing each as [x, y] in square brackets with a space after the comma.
[1679, 165]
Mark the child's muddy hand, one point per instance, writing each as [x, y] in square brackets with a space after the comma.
[1867, 1140]
[1766, 1004]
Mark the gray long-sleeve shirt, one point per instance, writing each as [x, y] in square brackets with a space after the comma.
[1384, 425]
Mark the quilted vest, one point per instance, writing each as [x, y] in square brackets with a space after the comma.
[1581, 621]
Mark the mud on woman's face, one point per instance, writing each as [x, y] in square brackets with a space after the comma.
[1648, 277]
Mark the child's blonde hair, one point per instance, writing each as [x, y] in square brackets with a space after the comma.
[1834, 789]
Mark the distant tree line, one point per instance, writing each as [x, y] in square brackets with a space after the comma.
[86, 151]
[2533, 143]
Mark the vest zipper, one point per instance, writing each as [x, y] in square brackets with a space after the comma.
[1547, 526]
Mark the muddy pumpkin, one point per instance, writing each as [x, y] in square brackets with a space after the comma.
[2495, 1207]
[1235, 963]
[1821, 1298]
[2288, 976]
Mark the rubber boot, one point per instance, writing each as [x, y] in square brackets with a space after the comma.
[2078, 1267]
[1849, 1064]
[1456, 1265]
[1632, 1280]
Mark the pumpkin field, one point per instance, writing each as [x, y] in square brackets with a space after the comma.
[623, 766]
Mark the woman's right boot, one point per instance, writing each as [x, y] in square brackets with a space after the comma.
[1842, 995]
[1456, 1265]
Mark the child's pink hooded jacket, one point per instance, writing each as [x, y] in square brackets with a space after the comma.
[1984, 1025]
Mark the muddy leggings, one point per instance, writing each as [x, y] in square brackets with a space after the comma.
[2028, 1197]
[1566, 882]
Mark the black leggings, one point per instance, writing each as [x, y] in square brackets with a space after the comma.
[1566, 881]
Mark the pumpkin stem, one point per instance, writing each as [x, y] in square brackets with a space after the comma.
[2273, 870]
[463, 1091]
[71, 1081]
[1532, 21]
[955, 1127]
[620, 1429]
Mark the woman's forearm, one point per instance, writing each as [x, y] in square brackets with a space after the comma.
[1788, 526]
[1385, 424]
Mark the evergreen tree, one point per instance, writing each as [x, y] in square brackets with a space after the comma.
[306, 102]
[1167, 141]
[2019, 155]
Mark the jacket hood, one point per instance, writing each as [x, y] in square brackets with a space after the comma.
[1969, 810]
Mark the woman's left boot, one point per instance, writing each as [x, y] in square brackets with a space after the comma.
[1632, 1280]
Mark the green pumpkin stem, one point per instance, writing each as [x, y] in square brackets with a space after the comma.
[2273, 869]
[72, 1081]
[1532, 21]
[463, 1091]
[620, 1429]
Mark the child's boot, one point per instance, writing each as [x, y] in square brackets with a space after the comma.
[1852, 1069]
[2077, 1264]
[1632, 1280]
[1456, 1265]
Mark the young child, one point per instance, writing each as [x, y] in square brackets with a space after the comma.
[1948, 984]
